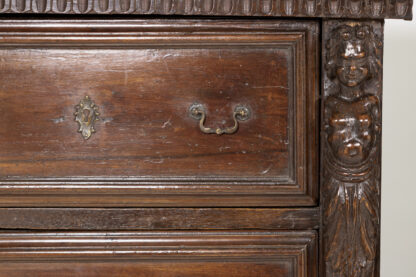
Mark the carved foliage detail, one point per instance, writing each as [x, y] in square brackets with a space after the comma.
[351, 148]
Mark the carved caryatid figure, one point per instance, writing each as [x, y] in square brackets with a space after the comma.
[352, 123]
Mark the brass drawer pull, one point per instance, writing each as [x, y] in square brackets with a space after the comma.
[197, 111]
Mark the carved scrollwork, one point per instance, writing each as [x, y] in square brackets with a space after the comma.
[351, 148]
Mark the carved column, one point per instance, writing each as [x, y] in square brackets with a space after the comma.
[351, 144]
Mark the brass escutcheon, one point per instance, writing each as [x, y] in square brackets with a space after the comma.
[86, 113]
[197, 111]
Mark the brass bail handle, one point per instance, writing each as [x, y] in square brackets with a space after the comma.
[197, 111]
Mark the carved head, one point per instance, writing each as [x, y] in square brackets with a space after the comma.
[352, 128]
[353, 54]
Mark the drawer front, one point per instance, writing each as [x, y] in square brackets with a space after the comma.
[158, 113]
[186, 254]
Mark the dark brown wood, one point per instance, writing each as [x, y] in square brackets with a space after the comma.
[277, 254]
[111, 162]
[147, 149]
[351, 143]
[267, 8]
[158, 219]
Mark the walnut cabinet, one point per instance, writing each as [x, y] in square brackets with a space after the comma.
[191, 138]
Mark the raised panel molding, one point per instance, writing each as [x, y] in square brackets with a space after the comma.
[293, 8]
[351, 142]
[297, 187]
[233, 253]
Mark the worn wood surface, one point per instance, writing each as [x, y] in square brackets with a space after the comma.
[157, 218]
[277, 254]
[266, 8]
[147, 150]
[351, 143]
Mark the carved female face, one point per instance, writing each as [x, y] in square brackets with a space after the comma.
[352, 130]
[352, 66]
[352, 72]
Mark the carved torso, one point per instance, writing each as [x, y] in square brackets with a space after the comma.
[351, 142]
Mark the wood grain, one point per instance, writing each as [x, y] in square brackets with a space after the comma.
[147, 150]
[285, 254]
[100, 219]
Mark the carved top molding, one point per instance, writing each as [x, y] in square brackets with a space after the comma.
[401, 9]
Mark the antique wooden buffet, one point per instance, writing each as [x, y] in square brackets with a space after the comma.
[187, 138]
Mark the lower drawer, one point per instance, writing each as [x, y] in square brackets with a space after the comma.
[255, 253]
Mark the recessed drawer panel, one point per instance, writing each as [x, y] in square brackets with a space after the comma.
[138, 113]
[168, 254]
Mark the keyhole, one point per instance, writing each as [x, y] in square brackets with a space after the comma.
[86, 116]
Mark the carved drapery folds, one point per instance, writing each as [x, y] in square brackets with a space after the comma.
[351, 142]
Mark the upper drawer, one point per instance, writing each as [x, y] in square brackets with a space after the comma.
[151, 99]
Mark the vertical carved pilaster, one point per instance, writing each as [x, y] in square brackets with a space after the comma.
[351, 142]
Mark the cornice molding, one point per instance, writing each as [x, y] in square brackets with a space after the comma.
[400, 9]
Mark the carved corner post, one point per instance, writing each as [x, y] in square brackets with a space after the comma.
[351, 147]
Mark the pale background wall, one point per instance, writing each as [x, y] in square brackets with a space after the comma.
[398, 217]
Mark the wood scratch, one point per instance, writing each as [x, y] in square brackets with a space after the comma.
[267, 169]
[261, 87]
[167, 123]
